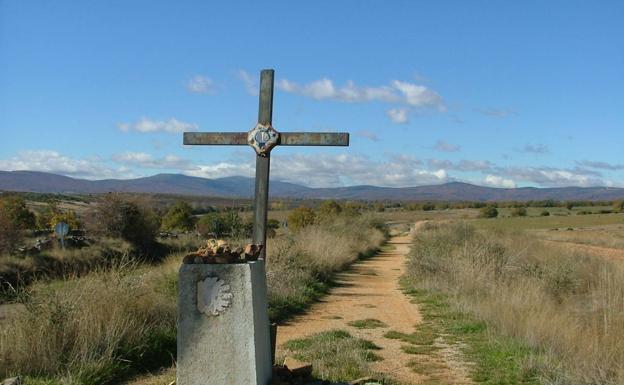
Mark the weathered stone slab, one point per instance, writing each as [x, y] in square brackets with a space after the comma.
[223, 325]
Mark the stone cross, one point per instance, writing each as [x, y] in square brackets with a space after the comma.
[263, 137]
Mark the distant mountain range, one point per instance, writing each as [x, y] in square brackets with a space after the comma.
[242, 187]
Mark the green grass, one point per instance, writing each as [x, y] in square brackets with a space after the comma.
[281, 308]
[419, 349]
[368, 323]
[424, 335]
[498, 360]
[335, 355]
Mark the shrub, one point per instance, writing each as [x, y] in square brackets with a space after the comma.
[428, 206]
[300, 218]
[545, 213]
[618, 206]
[329, 208]
[14, 217]
[272, 226]
[488, 212]
[52, 215]
[519, 212]
[179, 217]
[14, 209]
[129, 218]
[222, 224]
[10, 235]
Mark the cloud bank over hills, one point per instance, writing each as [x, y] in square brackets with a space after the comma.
[242, 187]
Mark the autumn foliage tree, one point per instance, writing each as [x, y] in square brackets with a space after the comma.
[127, 217]
[14, 209]
[179, 217]
[15, 217]
[52, 215]
[300, 218]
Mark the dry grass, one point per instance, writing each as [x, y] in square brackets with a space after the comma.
[18, 271]
[568, 307]
[603, 236]
[301, 265]
[120, 320]
[94, 329]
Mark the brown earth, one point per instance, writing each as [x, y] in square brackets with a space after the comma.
[370, 289]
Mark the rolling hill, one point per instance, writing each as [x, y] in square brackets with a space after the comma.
[33, 181]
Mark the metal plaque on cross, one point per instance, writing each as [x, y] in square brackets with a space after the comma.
[263, 137]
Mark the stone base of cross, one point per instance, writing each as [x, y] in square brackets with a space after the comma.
[223, 324]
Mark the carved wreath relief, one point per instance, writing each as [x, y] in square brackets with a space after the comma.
[213, 296]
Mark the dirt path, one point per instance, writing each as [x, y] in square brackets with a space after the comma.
[369, 289]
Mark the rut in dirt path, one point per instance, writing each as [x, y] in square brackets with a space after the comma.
[370, 289]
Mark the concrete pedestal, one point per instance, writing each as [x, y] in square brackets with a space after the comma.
[223, 325]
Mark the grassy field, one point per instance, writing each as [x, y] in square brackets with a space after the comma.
[609, 236]
[549, 222]
[563, 310]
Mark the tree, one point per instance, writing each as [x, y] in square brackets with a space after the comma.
[428, 206]
[14, 209]
[10, 235]
[222, 224]
[329, 208]
[488, 212]
[618, 206]
[300, 218]
[129, 218]
[519, 212]
[52, 215]
[569, 205]
[179, 217]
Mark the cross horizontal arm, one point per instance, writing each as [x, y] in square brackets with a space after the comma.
[216, 138]
[314, 139]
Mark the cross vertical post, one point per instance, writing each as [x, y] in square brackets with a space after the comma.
[263, 138]
[263, 163]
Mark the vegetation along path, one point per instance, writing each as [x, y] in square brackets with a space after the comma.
[368, 303]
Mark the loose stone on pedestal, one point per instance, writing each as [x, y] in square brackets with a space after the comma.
[223, 325]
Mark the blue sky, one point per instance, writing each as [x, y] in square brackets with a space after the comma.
[503, 93]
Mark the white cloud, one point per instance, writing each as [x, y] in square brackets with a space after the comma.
[443, 146]
[407, 93]
[419, 96]
[250, 83]
[200, 85]
[54, 162]
[497, 181]
[398, 115]
[223, 169]
[148, 125]
[601, 165]
[325, 89]
[329, 170]
[463, 165]
[553, 177]
[346, 169]
[144, 160]
[368, 135]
